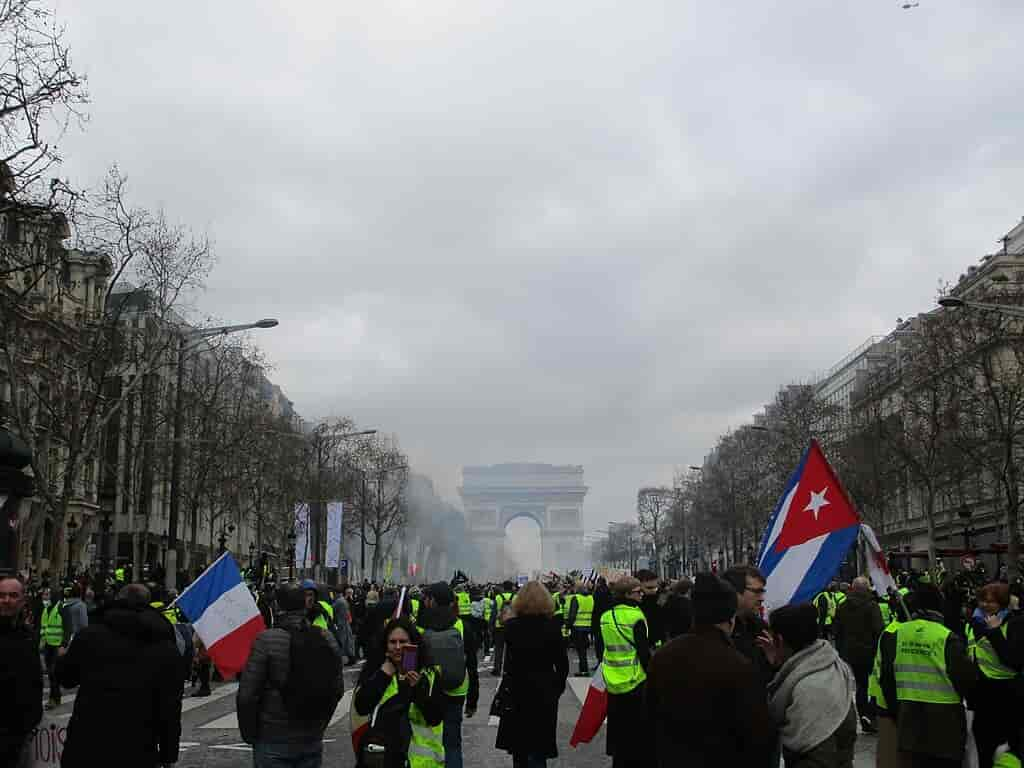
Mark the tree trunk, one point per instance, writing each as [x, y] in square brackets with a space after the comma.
[929, 515]
[1012, 529]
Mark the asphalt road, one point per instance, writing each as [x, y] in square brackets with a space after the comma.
[210, 737]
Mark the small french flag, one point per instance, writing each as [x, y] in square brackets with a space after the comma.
[593, 713]
[223, 614]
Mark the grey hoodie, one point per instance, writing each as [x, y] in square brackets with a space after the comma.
[810, 696]
[75, 616]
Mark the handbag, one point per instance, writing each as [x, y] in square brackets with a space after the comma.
[501, 704]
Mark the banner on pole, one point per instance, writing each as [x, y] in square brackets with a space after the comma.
[335, 516]
[301, 554]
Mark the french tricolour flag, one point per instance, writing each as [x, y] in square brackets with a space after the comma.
[224, 614]
[809, 534]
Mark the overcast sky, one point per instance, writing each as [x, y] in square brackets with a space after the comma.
[583, 232]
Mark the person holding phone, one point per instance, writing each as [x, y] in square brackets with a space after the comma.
[404, 706]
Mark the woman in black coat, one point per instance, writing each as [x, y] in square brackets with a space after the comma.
[536, 668]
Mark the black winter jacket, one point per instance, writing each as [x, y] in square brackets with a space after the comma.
[128, 669]
[857, 627]
[21, 706]
[536, 668]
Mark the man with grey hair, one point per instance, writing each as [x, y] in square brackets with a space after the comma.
[856, 629]
[21, 678]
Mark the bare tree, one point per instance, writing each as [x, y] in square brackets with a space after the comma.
[94, 344]
[653, 506]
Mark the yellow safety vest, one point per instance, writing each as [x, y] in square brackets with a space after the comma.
[875, 678]
[119, 574]
[584, 611]
[488, 609]
[426, 749]
[52, 625]
[621, 665]
[171, 614]
[1006, 760]
[503, 597]
[985, 656]
[465, 606]
[920, 664]
[414, 609]
[830, 608]
[320, 620]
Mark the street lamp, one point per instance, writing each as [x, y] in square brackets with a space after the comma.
[72, 525]
[955, 302]
[177, 451]
[291, 553]
[222, 539]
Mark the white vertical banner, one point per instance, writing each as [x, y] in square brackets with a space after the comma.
[301, 534]
[335, 514]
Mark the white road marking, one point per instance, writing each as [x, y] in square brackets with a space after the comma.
[342, 709]
[229, 722]
[580, 686]
[187, 705]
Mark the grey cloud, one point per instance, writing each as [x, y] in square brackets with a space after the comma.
[586, 232]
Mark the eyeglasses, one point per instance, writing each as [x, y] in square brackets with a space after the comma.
[756, 590]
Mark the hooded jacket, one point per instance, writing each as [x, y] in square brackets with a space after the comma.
[75, 616]
[127, 667]
[21, 680]
[811, 696]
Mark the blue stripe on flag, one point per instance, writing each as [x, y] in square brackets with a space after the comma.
[794, 479]
[826, 564]
[214, 582]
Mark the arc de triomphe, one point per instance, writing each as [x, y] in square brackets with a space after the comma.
[552, 495]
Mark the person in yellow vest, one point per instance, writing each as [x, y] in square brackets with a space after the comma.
[827, 602]
[503, 608]
[404, 708]
[439, 614]
[581, 610]
[887, 752]
[51, 640]
[925, 674]
[627, 654]
[319, 612]
[995, 703]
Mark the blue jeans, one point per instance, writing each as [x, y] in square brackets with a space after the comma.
[452, 735]
[288, 755]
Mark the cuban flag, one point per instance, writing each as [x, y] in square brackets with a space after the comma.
[224, 615]
[809, 534]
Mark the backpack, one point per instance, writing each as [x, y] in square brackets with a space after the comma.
[310, 692]
[446, 650]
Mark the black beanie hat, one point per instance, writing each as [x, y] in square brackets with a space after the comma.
[714, 601]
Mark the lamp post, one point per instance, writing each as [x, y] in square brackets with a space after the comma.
[955, 302]
[177, 452]
[106, 523]
[222, 539]
[291, 553]
[14, 486]
[72, 526]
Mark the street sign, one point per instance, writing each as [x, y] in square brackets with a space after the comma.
[967, 562]
[343, 568]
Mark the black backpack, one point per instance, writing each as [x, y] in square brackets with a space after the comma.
[310, 693]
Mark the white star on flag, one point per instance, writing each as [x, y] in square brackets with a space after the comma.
[817, 501]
